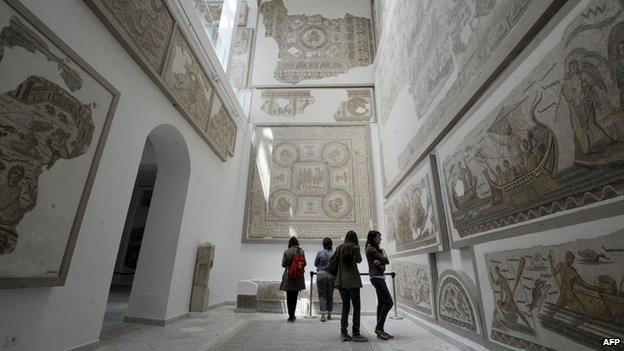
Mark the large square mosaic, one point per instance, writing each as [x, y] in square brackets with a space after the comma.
[310, 182]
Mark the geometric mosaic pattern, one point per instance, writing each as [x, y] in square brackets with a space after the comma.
[309, 181]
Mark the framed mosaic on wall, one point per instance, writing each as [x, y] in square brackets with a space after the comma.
[549, 145]
[439, 57]
[413, 215]
[562, 289]
[162, 49]
[415, 284]
[309, 181]
[55, 113]
[456, 301]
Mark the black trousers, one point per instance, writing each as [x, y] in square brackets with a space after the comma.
[291, 302]
[349, 296]
[384, 301]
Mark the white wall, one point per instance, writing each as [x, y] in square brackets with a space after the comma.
[64, 317]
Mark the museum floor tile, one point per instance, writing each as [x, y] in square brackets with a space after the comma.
[223, 329]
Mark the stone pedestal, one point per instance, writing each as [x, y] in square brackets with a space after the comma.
[200, 292]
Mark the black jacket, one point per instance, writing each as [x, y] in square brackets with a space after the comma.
[373, 254]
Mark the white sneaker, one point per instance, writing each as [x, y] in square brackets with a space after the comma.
[323, 319]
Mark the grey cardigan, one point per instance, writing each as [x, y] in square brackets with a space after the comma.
[373, 254]
[348, 276]
[287, 283]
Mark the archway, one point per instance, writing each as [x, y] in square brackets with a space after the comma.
[166, 154]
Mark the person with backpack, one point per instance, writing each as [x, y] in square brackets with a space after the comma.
[325, 281]
[293, 281]
[377, 261]
[349, 283]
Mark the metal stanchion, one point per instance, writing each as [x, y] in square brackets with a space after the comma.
[310, 316]
[396, 315]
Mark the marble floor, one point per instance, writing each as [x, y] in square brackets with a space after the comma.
[223, 329]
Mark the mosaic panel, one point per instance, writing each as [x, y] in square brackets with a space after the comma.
[148, 24]
[232, 139]
[238, 70]
[434, 66]
[411, 214]
[241, 14]
[55, 112]
[221, 129]
[358, 107]
[184, 77]
[547, 296]
[414, 285]
[555, 143]
[455, 306]
[309, 181]
[315, 47]
[286, 102]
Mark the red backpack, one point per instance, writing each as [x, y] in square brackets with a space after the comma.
[297, 266]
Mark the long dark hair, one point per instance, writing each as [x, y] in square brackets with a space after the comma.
[327, 243]
[351, 237]
[293, 242]
[349, 247]
[370, 239]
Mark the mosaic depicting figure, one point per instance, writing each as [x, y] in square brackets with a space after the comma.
[577, 293]
[311, 181]
[413, 286]
[411, 219]
[461, 35]
[315, 47]
[454, 304]
[286, 102]
[40, 124]
[184, 76]
[454, 31]
[555, 143]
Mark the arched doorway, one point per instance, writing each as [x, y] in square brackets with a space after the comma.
[144, 266]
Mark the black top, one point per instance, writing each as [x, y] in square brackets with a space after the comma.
[373, 254]
[348, 276]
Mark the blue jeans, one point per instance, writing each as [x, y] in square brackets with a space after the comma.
[384, 301]
[349, 296]
[325, 285]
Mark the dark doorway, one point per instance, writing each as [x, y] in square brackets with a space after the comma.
[131, 240]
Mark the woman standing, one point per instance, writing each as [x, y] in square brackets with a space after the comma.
[325, 281]
[349, 284]
[289, 284]
[377, 261]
